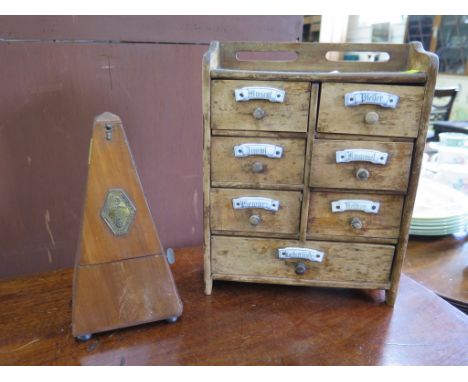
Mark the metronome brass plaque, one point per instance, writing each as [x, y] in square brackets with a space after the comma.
[118, 211]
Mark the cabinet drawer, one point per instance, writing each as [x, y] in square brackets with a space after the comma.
[370, 119]
[257, 162]
[341, 262]
[354, 215]
[260, 114]
[250, 214]
[361, 164]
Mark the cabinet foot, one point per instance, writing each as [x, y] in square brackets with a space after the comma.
[208, 286]
[84, 337]
[390, 297]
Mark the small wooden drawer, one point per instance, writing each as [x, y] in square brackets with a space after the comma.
[346, 214]
[363, 116]
[255, 211]
[361, 165]
[330, 262]
[256, 107]
[257, 162]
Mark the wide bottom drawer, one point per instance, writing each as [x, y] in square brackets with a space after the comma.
[252, 258]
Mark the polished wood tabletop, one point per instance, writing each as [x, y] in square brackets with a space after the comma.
[441, 265]
[239, 324]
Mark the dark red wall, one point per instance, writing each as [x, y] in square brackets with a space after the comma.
[57, 74]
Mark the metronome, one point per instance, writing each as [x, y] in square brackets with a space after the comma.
[122, 275]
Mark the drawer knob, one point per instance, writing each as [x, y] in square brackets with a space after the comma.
[362, 174]
[257, 167]
[300, 268]
[258, 113]
[255, 219]
[356, 223]
[372, 118]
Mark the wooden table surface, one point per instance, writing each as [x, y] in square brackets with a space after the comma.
[441, 265]
[238, 324]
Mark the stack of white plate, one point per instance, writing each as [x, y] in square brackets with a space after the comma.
[439, 210]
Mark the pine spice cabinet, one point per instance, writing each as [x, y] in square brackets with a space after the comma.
[311, 163]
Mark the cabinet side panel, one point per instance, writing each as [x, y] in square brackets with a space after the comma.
[418, 59]
[210, 60]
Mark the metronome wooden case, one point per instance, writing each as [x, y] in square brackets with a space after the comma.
[122, 276]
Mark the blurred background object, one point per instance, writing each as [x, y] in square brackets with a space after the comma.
[60, 71]
[443, 103]
[447, 36]
[445, 169]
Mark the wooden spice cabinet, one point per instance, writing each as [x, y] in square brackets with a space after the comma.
[311, 165]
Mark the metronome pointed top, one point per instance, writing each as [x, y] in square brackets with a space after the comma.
[107, 117]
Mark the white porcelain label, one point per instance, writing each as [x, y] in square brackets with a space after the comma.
[300, 253]
[259, 92]
[262, 149]
[361, 155]
[367, 206]
[255, 202]
[382, 99]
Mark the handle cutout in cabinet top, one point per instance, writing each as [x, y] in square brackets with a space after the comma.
[358, 56]
[273, 55]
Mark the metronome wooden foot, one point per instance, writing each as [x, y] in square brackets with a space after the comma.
[122, 276]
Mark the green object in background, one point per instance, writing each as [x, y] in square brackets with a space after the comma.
[453, 139]
[351, 57]
[459, 113]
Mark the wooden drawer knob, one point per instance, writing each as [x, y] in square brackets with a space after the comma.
[300, 268]
[258, 113]
[257, 167]
[356, 223]
[255, 219]
[362, 174]
[372, 117]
